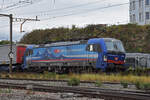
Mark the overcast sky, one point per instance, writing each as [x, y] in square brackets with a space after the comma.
[58, 13]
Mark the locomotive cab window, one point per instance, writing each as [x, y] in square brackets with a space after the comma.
[93, 48]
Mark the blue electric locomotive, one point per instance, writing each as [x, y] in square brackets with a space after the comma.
[97, 53]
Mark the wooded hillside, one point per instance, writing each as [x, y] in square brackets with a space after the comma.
[134, 37]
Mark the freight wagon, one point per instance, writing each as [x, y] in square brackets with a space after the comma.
[138, 60]
[18, 52]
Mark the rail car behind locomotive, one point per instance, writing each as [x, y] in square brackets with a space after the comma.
[138, 60]
[97, 53]
[18, 52]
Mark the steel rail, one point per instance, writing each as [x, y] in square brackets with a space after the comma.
[89, 92]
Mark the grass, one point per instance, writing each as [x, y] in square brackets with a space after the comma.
[124, 84]
[82, 77]
[5, 90]
[98, 83]
[142, 85]
[141, 82]
[111, 78]
[73, 82]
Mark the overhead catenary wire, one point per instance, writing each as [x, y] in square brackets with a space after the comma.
[44, 12]
[19, 5]
[89, 10]
[52, 10]
[73, 12]
[13, 5]
[66, 8]
[6, 4]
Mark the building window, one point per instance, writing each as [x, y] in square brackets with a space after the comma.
[146, 2]
[140, 3]
[134, 19]
[147, 15]
[140, 17]
[130, 5]
[133, 5]
[131, 18]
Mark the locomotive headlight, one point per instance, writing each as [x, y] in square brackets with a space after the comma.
[105, 58]
[125, 61]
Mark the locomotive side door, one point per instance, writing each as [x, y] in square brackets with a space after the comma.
[94, 55]
[28, 56]
[99, 61]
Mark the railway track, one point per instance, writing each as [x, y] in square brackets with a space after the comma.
[107, 94]
[45, 86]
[85, 84]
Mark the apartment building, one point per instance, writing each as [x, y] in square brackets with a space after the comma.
[140, 11]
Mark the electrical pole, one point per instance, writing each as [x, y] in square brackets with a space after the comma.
[10, 55]
[23, 20]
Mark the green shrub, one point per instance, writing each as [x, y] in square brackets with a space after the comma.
[73, 82]
[142, 86]
[130, 69]
[49, 75]
[98, 83]
[139, 71]
[147, 86]
[124, 84]
[139, 85]
[127, 71]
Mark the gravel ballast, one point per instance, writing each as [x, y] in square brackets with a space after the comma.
[15, 94]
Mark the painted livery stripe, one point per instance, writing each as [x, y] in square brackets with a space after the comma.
[61, 60]
[92, 55]
[115, 62]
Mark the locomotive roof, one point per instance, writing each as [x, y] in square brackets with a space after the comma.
[69, 43]
[66, 43]
[110, 39]
[105, 39]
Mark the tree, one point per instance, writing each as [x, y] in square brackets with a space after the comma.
[135, 38]
[3, 42]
